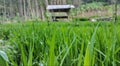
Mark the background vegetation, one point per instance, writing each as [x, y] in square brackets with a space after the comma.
[17, 10]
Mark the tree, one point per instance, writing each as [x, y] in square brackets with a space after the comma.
[115, 13]
[30, 9]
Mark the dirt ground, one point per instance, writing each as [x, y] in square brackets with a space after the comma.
[103, 13]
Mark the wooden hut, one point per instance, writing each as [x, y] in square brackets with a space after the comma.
[59, 11]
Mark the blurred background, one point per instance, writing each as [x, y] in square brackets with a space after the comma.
[17, 10]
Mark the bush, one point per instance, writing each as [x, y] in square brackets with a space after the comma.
[118, 17]
[82, 19]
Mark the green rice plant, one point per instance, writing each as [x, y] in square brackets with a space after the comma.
[61, 43]
[51, 43]
[3, 59]
[89, 51]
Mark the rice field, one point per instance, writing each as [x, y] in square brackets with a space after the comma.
[60, 44]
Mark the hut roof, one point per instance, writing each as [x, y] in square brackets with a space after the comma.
[50, 7]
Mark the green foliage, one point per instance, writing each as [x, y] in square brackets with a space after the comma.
[89, 51]
[118, 17]
[3, 59]
[81, 19]
[62, 43]
[91, 6]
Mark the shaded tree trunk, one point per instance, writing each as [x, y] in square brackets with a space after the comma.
[20, 8]
[4, 11]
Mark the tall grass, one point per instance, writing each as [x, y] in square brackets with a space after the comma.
[61, 44]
